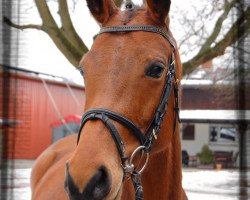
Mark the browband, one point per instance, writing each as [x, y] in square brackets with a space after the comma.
[146, 28]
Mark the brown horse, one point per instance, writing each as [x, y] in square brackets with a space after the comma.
[127, 72]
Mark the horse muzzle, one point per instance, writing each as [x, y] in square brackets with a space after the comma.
[97, 188]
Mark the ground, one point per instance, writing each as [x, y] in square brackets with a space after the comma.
[198, 184]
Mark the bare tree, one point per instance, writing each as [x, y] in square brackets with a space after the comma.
[211, 29]
[199, 41]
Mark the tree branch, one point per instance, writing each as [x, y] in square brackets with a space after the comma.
[45, 14]
[21, 27]
[63, 43]
[218, 25]
[238, 30]
[68, 28]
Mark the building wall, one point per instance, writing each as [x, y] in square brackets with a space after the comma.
[30, 105]
[202, 135]
[214, 97]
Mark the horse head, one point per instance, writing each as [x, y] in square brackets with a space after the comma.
[126, 72]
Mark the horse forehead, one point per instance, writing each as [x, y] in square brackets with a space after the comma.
[115, 47]
[130, 17]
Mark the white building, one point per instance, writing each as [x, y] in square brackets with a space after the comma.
[217, 128]
[211, 115]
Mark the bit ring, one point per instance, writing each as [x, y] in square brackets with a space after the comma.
[138, 149]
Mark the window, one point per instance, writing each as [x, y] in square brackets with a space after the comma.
[188, 132]
[222, 134]
[213, 134]
[227, 134]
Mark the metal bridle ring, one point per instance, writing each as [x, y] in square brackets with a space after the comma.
[138, 149]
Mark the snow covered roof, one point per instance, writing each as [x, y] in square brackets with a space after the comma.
[213, 116]
[40, 75]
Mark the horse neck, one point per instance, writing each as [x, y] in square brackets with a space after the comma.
[163, 176]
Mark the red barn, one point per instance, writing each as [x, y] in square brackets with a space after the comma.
[32, 101]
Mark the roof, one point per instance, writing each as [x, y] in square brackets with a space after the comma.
[215, 116]
[39, 75]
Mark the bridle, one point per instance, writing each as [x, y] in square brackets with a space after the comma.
[146, 139]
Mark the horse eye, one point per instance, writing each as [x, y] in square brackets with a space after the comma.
[155, 70]
[81, 71]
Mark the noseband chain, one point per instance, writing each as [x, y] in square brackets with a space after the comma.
[146, 139]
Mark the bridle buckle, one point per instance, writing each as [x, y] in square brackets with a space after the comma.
[128, 169]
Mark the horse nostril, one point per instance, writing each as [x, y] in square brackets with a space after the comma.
[96, 189]
[99, 185]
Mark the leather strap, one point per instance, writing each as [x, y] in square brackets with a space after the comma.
[95, 115]
[115, 116]
[155, 125]
[137, 183]
[146, 28]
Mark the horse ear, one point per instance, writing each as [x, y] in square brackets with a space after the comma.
[158, 9]
[101, 9]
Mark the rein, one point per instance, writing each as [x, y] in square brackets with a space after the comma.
[146, 139]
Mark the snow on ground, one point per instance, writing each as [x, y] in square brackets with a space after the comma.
[211, 184]
[198, 184]
[15, 184]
